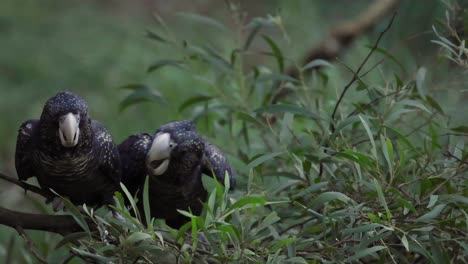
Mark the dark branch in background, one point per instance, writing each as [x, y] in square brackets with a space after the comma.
[341, 37]
[355, 78]
[356, 74]
[60, 224]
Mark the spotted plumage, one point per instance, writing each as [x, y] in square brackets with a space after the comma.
[69, 153]
[174, 158]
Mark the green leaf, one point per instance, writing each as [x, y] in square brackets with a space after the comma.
[364, 252]
[313, 188]
[388, 55]
[213, 57]
[416, 104]
[382, 200]
[282, 243]
[360, 158]
[276, 52]
[287, 108]
[387, 149]
[374, 218]
[371, 137]
[316, 63]
[212, 200]
[420, 78]
[137, 237]
[163, 63]
[187, 214]
[193, 220]
[247, 201]
[454, 198]
[130, 198]
[432, 200]
[155, 36]
[133, 86]
[75, 213]
[296, 260]
[285, 135]
[202, 20]
[141, 93]
[183, 230]
[248, 118]
[327, 197]
[461, 129]
[276, 78]
[261, 159]
[406, 205]
[346, 122]
[401, 137]
[433, 103]
[193, 101]
[99, 258]
[390, 149]
[360, 229]
[146, 204]
[72, 238]
[405, 243]
[398, 82]
[270, 219]
[251, 36]
[432, 214]
[283, 174]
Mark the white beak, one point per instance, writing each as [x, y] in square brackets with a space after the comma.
[69, 130]
[157, 159]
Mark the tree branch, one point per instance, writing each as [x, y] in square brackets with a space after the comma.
[341, 37]
[60, 224]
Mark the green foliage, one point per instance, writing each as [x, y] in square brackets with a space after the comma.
[384, 183]
[387, 184]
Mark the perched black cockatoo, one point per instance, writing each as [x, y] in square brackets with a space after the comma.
[174, 159]
[69, 153]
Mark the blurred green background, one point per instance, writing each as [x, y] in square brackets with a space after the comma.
[95, 47]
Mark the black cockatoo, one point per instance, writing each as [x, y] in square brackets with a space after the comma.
[69, 153]
[174, 159]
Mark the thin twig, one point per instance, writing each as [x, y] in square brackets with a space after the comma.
[416, 129]
[27, 186]
[334, 245]
[30, 244]
[449, 154]
[376, 101]
[355, 77]
[300, 224]
[356, 74]
[372, 68]
[68, 259]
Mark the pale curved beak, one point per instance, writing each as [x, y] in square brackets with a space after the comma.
[69, 130]
[157, 159]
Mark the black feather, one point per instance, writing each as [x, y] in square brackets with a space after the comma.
[86, 173]
[133, 155]
[180, 186]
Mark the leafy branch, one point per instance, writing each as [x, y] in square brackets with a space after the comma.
[356, 74]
